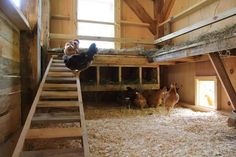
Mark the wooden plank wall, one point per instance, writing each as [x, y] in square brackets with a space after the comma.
[10, 89]
[184, 75]
[68, 26]
[211, 10]
[188, 71]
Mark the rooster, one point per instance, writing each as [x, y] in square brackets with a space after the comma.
[80, 61]
[171, 98]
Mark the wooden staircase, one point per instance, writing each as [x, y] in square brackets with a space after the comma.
[58, 101]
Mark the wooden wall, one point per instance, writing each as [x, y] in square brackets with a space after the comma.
[184, 75]
[208, 11]
[68, 26]
[10, 89]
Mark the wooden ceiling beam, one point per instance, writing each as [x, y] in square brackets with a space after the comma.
[158, 7]
[141, 13]
[168, 5]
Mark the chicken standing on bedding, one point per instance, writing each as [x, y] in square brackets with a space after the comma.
[155, 98]
[140, 101]
[171, 98]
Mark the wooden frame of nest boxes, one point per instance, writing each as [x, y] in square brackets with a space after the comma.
[117, 78]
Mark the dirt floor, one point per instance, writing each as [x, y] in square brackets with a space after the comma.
[119, 132]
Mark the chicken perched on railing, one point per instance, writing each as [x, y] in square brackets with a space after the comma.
[171, 98]
[76, 60]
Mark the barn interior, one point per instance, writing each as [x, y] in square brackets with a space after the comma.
[48, 110]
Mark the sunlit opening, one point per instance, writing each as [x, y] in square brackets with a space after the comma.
[206, 93]
[96, 10]
[16, 2]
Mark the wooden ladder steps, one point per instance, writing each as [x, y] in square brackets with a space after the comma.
[57, 61]
[60, 74]
[61, 69]
[58, 104]
[58, 64]
[54, 153]
[56, 86]
[53, 133]
[56, 117]
[60, 80]
[59, 95]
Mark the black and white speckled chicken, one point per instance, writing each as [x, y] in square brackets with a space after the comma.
[82, 60]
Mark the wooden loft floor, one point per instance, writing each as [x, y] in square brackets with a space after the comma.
[195, 51]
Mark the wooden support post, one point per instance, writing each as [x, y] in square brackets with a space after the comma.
[118, 21]
[158, 5]
[120, 75]
[223, 77]
[158, 74]
[98, 75]
[140, 76]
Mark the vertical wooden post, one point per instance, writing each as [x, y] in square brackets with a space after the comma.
[140, 76]
[158, 75]
[98, 75]
[158, 15]
[117, 22]
[120, 75]
[223, 77]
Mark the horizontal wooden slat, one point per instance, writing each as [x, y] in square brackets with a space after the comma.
[54, 153]
[61, 74]
[57, 104]
[61, 95]
[58, 61]
[59, 69]
[56, 117]
[54, 133]
[60, 80]
[54, 86]
[58, 65]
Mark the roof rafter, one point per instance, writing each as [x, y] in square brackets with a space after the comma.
[142, 14]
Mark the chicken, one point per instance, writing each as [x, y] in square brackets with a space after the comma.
[140, 101]
[82, 60]
[72, 47]
[171, 98]
[155, 98]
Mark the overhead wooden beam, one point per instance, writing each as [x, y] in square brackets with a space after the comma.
[217, 18]
[168, 5]
[158, 6]
[142, 14]
[184, 13]
[134, 23]
[14, 14]
[223, 77]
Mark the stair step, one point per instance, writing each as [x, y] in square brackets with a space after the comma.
[57, 61]
[59, 95]
[60, 74]
[60, 80]
[58, 64]
[59, 69]
[58, 104]
[56, 117]
[53, 133]
[54, 153]
[54, 86]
